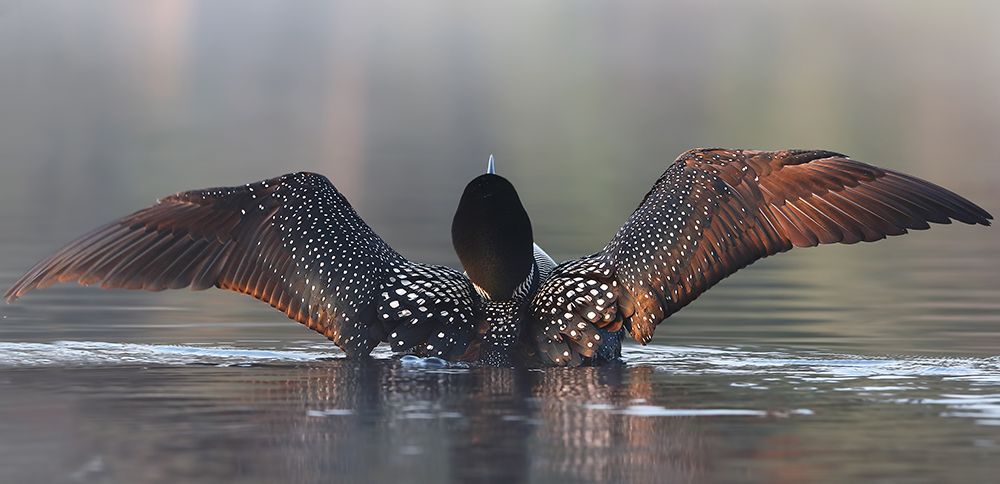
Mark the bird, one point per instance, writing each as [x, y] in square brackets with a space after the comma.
[296, 243]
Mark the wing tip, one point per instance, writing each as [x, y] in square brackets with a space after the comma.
[986, 218]
[12, 294]
[22, 286]
[979, 216]
[972, 214]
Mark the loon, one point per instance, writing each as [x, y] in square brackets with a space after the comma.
[296, 243]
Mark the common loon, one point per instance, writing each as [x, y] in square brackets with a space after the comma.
[296, 243]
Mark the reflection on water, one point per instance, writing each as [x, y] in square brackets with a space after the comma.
[870, 362]
[671, 414]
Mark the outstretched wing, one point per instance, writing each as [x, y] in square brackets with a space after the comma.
[715, 211]
[293, 242]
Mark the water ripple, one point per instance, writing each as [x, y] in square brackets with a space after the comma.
[78, 353]
[964, 387]
[973, 383]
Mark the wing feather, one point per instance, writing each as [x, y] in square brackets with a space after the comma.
[715, 211]
[293, 242]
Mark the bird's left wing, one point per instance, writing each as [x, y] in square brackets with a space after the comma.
[293, 242]
[713, 212]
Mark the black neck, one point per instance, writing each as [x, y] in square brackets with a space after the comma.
[491, 233]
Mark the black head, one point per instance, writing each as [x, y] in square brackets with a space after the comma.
[491, 233]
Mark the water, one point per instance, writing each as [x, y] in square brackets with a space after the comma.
[873, 362]
[297, 411]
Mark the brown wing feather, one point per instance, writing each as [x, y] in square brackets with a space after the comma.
[715, 211]
[768, 202]
[180, 232]
[293, 242]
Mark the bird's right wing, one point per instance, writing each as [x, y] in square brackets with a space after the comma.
[294, 242]
[713, 212]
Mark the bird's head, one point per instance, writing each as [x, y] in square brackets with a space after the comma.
[492, 236]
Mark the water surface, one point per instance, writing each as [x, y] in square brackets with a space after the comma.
[297, 411]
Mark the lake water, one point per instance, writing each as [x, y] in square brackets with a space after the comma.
[876, 362]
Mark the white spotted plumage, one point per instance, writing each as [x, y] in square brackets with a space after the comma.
[342, 270]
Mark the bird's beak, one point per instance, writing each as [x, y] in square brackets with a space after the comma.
[490, 169]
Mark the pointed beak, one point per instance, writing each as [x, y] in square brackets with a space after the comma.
[490, 169]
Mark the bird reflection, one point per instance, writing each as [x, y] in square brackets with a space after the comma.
[377, 419]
